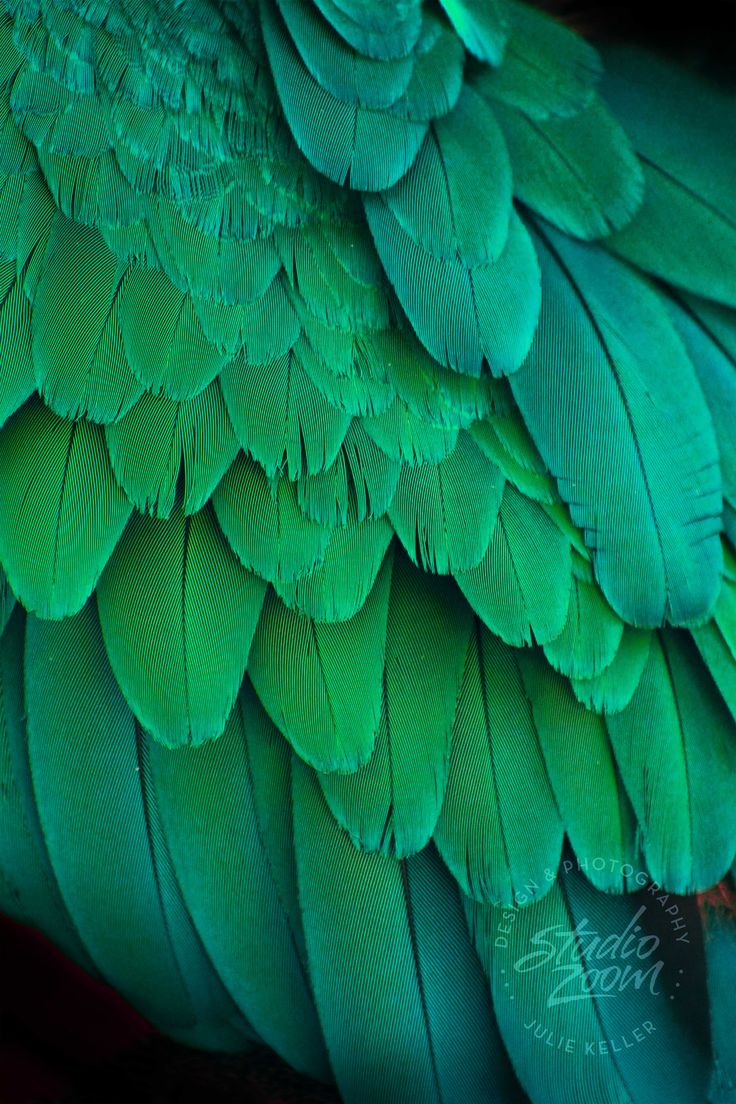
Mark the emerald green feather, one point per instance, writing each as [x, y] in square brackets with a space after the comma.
[175, 590]
[716, 640]
[110, 856]
[224, 807]
[547, 71]
[16, 358]
[497, 782]
[591, 635]
[392, 803]
[607, 369]
[437, 79]
[566, 1022]
[362, 479]
[392, 35]
[336, 588]
[264, 525]
[612, 689]
[280, 417]
[394, 1027]
[328, 289]
[61, 511]
[682, 778]
[166, 346]
[407, 438]
[445, 514]
[161, 439]
[327, 711]
[580, 172]
[506, 441]
[594, 807]
[346, 142]
[521, 586]
[78, 354]
[462, 314]
[685, 232]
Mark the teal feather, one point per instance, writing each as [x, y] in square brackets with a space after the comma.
[538, 955]
[340, 139]
[392, 1024]
[437, 78]
[717, 914]
[685, 232]
[407, 438]
[594, 808]
[547, 72]
[393, 35]
[591, 635]
[231, 848]
[461, 314]
[16, 357]
[438, 202]
[716, 640]
[681, 779]
[607, 366]
[580, 172]
[111, 857]
[483, 28]
[521, 587]
[392, 803]
[497, 782]
[297, 666]
[61, 511]
[194, 608]
[445, 514]
[506, 442]
[31, 892]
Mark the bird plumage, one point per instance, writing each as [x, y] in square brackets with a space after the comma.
[367, 536]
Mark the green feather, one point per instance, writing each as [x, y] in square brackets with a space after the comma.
[580, 173]
[594, 808]
[462, 314]
[80, 363]
[175, 590]
[337, 587]
[521, 586]
[566, 1022]
[340, 139]
[681, 779]
[280, 417]
[497, 782]
[110, 856]
[264, 525]
[394, 1027]
[159, 439]
[328, 711]
[16, 359]
[224, 807]
[607, 367]
[717, 915]
[506, 441]
[591, 636]
[445, 514]
[392, 34]
[262, 330]
[407, 438]
[166, 346]
[612, 689]
[547, 71]
[61, 511]
[392, 803]
[362, 479]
